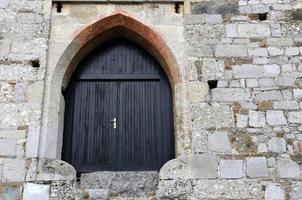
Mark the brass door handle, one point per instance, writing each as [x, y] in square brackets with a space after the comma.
[114, 121]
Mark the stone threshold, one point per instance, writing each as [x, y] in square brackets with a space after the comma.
[118, 1]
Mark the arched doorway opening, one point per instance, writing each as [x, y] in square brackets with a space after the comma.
[118, 111]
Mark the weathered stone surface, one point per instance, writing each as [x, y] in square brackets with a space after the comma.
[255, 71]
[297, 93]
[219, 142]
[209, 116]
[198, 91]
[35, 191]
[258, 52]
[231, 51]
[199, 141]
[230, 94]
[277, 145]
[8, 147]
[56, 170]
[295, 117]
[220, 189]
[212, 69]
[241, 121]
[254, 30]
[286, 105]
[98, 194]
[126, 184]
[275, 118]
[14, 170]
[213, 19]
[231, 30]
[174, 189]
[288, 168]
[65, 190]
[274, 192]
[231, 169]
[256, 118]
[268, 95]
[256, 167]
[10, 192]
[296, 193]
[191, 166]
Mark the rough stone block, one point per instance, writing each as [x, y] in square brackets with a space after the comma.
[274, 191]
[232, 169]
[14, 170]
[199, 141]
[295, 117]
[202, 166]
[174, 189]
[230, 94]
[4, 3]
[286, 105]
[266, 82]
[255, 71]
[35, 191]
[292, 51]
[198, 91]
[219, 142]
[8, 147]
[258, 52]
[20, 92]
[213, 19]
[285, 81]
[224, 189]
[288, 168]
[277, 145]
[227, 50]
[10, 192]
[123, 183]
[250, 83]
[297, 93]
[231, 30]
[280, 42]
[32, 143]
[212, 69]
[254, 30]
[275, 118]
[256, 118]
[241, 121]
[268, 95]
[98, 194]
[212, 116]
[257, 167]
[296, 193]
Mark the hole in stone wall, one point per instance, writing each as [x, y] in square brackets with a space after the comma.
[212, 84]
[177, 7]
[262, 16]
[35, 63]
[59, 7]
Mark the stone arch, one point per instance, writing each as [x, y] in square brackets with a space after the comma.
[82, 42]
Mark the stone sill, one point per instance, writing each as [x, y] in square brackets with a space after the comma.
[118, 1]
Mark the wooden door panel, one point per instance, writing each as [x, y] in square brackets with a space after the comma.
[94, 139]
[139, 125]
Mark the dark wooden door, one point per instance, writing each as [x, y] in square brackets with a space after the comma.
[118, 81]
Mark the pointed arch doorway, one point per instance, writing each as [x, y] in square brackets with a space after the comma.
[118, 111]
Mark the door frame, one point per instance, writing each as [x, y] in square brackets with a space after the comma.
[61, 66]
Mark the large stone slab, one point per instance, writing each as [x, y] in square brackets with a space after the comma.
[256, 167]
[212, 116]
[226, 189]
[126, 184]
[191, 166]
[35, 191]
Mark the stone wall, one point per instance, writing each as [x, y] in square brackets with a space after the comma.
[246, 131]
[241, 67]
